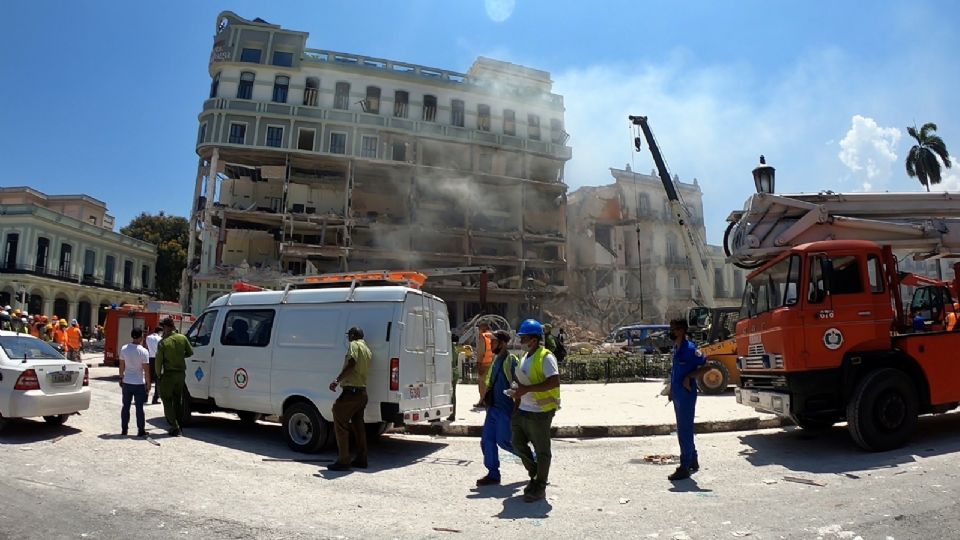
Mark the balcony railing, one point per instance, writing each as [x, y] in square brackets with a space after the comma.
[69, 277]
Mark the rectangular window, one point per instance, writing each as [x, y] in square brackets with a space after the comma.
[10, 251]
[341, 96]
[305, 139]
[247, 328]
[215, 85]
[274, 136]
[145, 277]
[399, 151]
[509, 122]
[250, 55]
[109, 270]
[281, 85]
[429, 108]
[245, 88]
[533, 127]
[199, 334]
[128, 275]
[456, 113]
[401, 100]
[295, 267]
[201, 138]
[368, 147]
[238, 133]
[816, 287]
[875, 273]
[43, 251]
[775, 287]
[845, 277]
[483, 117]
[338, 143]
[281, 58]
[66, 258]
[557, 134]
[312, 92]
[372, 103]
[89, 262]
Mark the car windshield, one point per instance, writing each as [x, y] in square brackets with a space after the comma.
[773, 288]
[30, 348]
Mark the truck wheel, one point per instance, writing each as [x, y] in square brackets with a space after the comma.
[249, 418]
[303, 428]
[56, 420]
[715, 379]
[882, 413]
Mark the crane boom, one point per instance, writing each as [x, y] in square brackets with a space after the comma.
[692, 243]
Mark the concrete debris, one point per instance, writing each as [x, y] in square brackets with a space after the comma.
[624, 501]
[444, 529]
[661, 459]
[802, 481]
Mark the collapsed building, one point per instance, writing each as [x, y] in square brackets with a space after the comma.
[626, 251]
[314, 161]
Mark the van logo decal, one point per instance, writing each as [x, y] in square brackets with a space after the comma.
[240, 378]
[198, 374]
[832, 339]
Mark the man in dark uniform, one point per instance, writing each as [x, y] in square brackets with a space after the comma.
[172, 353]
[687, 364]
[349, 407]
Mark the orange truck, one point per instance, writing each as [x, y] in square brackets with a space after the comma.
[121, 320]
[824, 335]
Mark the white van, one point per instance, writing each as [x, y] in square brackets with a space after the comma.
[276, 352]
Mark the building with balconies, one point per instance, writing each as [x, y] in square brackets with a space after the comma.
[61, 257]
[626, 250]
[315, 161]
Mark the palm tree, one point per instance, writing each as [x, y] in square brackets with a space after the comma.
[922, 160]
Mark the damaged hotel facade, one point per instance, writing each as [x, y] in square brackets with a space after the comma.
[314, 161]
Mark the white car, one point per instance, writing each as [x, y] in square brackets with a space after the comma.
[36, 380]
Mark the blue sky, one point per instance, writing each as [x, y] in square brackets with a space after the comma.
[102, 97]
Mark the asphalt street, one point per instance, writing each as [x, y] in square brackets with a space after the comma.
[227, 480]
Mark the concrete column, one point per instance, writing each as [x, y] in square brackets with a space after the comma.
[209, 240]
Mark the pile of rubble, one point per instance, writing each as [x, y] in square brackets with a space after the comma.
[576, 332]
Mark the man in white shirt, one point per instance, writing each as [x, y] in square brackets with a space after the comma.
[152, 341]
[134, 380]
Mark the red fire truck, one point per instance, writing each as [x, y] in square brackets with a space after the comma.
[122, 319]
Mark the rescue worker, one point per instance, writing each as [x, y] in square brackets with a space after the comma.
[74, 340]
[484, 356]
[48, 333]
[688, 362]
[549, 340]
[60, 334]
[349, 407]
[538, 392]
[496, 425]
[4, 320]
[172, 353]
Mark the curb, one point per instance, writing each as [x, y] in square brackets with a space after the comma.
[576, 432]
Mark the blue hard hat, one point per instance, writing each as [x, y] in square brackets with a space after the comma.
[530, 327]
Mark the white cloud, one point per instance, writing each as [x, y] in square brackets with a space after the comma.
[949, 179]
[869, 149]
[499, 10]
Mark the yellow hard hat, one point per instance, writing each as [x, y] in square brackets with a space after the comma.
[63, 322]
[48, 327]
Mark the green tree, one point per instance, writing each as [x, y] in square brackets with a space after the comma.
[171, 236]
[922, 160]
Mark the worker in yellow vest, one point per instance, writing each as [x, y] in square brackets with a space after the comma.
[484, 358]
[538, 392]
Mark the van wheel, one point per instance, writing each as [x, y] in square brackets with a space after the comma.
[883, 411]
[715, 379]
[249, 418]
[375, 430]
[56, 420]
[186, 415]
[303, 428]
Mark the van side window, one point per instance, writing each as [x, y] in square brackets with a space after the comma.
[247, 328]
[199, 334]
[874, 274]
[846, 277]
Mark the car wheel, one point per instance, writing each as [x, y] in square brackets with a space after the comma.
[715, 379]
[883, 412]
[249, 418]
[303, 428]
[3, 422]
[56, 420]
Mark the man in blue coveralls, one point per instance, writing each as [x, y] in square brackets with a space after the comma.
[687, 364]
[496, 426]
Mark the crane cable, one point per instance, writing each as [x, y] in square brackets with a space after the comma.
[635, 135]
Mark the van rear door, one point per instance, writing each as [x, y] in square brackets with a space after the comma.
[441, 390]
[416, 358]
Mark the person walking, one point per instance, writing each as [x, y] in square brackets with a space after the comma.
[60, 334]
[134, 381]
[484, 357]
[171, 364]
[349, 407]
[688, 362]
[152, 341]
[74, 340]
[538, 390]
[496, 426]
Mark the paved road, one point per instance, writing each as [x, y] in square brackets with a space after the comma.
[224, 480]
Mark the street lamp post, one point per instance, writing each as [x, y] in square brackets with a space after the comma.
[22, 296]
[764, 177]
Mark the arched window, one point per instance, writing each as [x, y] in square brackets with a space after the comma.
[281, 84]
[311, 92]
[245, 89]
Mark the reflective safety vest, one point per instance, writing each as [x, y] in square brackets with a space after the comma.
[509, 365]
[74, 338]
[951, 321]
[487, 359]
[549, 400]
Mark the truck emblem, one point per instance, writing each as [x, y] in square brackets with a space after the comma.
[832, 339]
[240, 378]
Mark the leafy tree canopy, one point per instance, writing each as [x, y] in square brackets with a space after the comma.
[171, 236]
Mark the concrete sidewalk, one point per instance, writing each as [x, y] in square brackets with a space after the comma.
[614, 410]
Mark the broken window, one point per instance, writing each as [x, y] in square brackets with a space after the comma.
[399, 151]
[338, 143]
[305, 139]
[311, 92]
[372, 103]
[245, 88]
[429, 108]
[368, 146]
[215, 85]
[557, 134]
[533, 127]
[274, 136]
[401, 99]
[341, 96]
[509, 122]
[483, 117]
[456, 113]
[250, 55]
[281, 84]
[238, 133]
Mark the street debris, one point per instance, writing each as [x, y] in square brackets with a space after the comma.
[802, 481]
[661, 459]
[741, 534]
[624, 501]
[769, 481]
[444, 529]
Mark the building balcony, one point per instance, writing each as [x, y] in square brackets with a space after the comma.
[406, 125]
